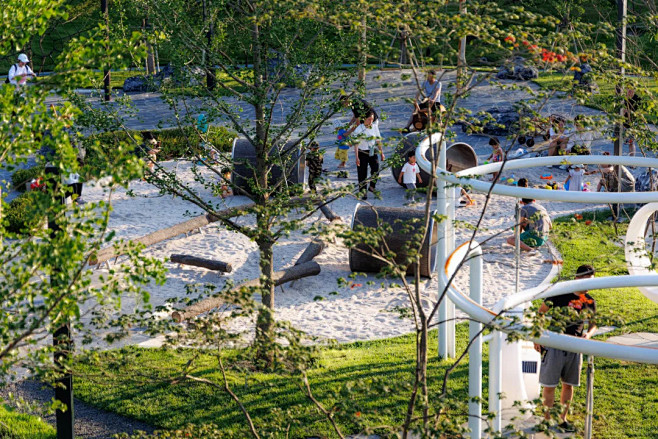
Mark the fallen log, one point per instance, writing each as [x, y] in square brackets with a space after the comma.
[224, 267]
[162, 235]
[295, 272]
[329, 214]
[314, 248]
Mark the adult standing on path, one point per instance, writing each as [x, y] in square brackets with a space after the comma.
[20, 72]
[368, 149]
[557, 364]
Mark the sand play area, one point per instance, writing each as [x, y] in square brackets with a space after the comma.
[317, 304]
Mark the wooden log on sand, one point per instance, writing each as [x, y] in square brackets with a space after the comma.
[162, 235]
[312, 250]
[224, 267]
[295, 272]
[329, 214]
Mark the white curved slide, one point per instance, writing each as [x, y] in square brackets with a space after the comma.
[637, 256]
[548, 338]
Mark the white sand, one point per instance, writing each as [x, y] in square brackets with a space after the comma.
[343, 313]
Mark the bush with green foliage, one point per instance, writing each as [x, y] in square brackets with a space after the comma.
[21, 213]
[175, 143]
[23, 176]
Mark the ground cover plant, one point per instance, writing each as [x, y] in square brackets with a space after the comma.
[14, 425]
[557, 81]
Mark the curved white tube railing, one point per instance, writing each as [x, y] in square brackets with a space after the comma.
[462, 178]
[552, 339]
[637, 257]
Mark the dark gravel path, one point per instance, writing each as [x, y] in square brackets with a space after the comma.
[90, 422]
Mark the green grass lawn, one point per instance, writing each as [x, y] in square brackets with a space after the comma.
[626, 401]
[20, 426]
[564, 82]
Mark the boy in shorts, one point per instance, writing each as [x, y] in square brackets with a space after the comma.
[535, 225]
[561, 365]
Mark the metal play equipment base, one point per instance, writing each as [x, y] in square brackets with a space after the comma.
[518, 379]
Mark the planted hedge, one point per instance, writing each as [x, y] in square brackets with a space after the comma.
[175, 142]
[22, 176]
[22, 213]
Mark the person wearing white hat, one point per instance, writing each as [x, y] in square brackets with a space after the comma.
[19, 73]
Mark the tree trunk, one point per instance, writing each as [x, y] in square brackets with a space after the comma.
[461, 58]
[363, 50]
[265, 320]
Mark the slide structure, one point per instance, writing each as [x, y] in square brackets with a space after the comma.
[637, 257]
[517, 377]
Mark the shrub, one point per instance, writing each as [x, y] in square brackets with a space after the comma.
[22, 176]
[175, 143]
[22, 213]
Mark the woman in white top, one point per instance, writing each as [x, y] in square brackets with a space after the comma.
[430, 92]
[19, 73]
[367, 149]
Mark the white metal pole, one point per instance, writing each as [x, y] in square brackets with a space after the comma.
[442, 253]
[450, 244]
[496, 378]
[589, 404]
[475, 351]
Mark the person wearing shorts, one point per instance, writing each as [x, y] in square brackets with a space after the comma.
[558, 365]
[341, 154]
[535, 225]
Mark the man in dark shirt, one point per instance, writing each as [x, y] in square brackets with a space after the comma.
[559, 365]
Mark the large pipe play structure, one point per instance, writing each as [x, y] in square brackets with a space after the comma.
[518, 380]
[290, 162]
[403, 223]
[460, 156]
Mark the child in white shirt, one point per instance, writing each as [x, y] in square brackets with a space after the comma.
[409, 175]
[575, 178]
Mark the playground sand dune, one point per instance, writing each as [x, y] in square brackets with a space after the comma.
[319, 305]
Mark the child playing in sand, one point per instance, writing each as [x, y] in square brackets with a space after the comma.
[153, 148]
[575, 178]
[226, 191]
[408, 176]
[314, 162]
[497, 154]
[465, 199]
[535, 225]
[343, 148]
